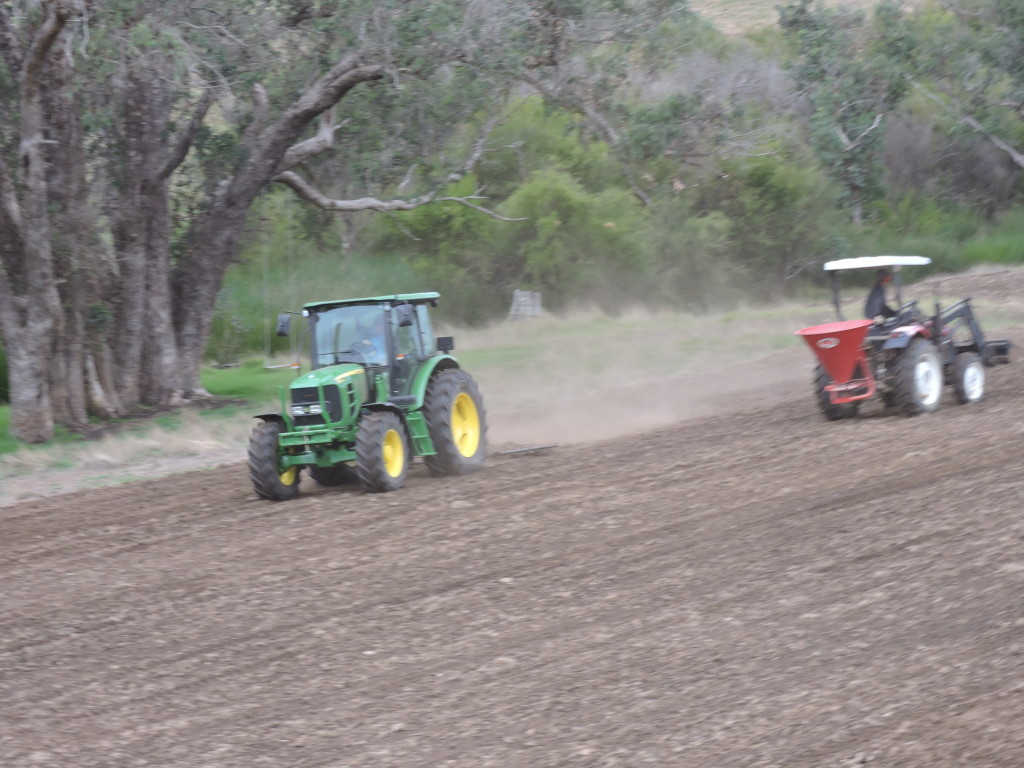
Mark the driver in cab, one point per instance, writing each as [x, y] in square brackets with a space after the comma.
[373, 344]
[875, 305]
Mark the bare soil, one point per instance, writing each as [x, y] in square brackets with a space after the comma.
[737, 584]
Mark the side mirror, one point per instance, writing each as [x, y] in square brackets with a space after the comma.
[284, 324]
[445, 343]
[405, 315]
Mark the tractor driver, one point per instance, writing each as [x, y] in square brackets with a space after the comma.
[373, 343]
[875, 304]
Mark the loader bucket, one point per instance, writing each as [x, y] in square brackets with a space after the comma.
[837, 345]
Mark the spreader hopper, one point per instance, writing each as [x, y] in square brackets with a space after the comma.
[839, 346]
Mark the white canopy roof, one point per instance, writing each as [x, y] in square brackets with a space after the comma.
[864, 262]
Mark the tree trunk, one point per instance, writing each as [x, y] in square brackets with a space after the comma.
[31, 314]
[214, 237]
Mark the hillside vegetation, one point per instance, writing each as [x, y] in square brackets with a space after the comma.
[739, 163]
[686, 158]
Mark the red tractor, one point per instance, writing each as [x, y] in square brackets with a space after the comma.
[907, 358]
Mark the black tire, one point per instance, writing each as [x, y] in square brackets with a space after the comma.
[267, 478]
[382, 452]
[339, 474]
[831, 411]
[968, 378]
[917, 378]
[457, 422]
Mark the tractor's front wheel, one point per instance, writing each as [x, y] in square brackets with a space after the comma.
[831, 411]
[457, 422]
[968, 378]
[269, 480]
[917, 378]
[382, 452]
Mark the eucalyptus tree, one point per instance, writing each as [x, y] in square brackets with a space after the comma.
[139, 133]
[851, 70]
[970, 61]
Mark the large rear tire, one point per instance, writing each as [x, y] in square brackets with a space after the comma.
[339, 474]
[382, 452]
[968, 378]
[917, 378]
[457, 422]
[270, 481]
[831, 411]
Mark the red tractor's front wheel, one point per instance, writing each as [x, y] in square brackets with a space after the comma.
[968, 378]
[917, 378]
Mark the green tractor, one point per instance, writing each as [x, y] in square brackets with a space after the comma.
[382, 390]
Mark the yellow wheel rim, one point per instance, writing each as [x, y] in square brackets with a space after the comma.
[393, 453]
[288, 476]
[465, 425]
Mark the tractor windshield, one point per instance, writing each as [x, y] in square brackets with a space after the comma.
[350, 334]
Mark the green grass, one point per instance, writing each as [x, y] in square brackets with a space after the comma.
[249, 381]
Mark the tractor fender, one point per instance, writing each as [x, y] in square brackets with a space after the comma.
[271, 417]
[425, 373]
[374, 407]
[901, 337]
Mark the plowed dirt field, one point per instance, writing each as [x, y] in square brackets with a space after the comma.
[754, 587]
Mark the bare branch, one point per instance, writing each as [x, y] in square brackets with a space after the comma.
[478, 148]
[322, 141]
[953, 108]
[260, 109]
[182, 142]
[585, 107]
[578, 104]
[845, 140]
[312, 195]
[219, 29]
[465, 201]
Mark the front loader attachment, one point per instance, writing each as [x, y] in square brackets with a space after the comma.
[840, 350]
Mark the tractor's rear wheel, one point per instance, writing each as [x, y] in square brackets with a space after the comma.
[382, 452]
[917, 378]
[968, 378]
[831, 411]
[268, 478]
[339, 474]
[457, 422]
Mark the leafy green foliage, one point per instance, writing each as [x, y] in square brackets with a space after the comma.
[852, 74]
[574, 243]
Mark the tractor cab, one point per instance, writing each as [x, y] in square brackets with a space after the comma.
[905, 311]
[388, 336]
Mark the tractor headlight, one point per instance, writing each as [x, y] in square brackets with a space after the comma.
[305, 410]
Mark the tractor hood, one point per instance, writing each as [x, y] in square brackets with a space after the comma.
[343, 374]
[328, 395]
